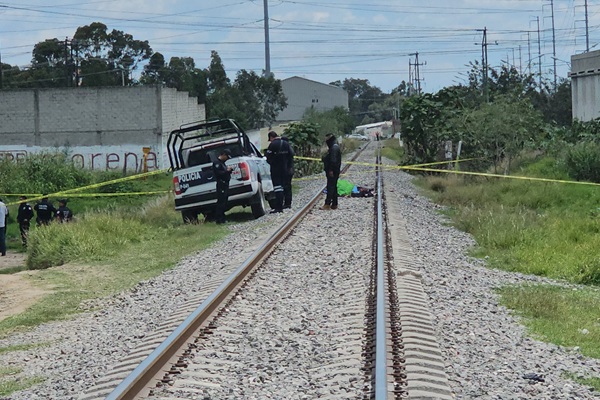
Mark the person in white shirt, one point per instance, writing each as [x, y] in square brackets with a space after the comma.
[3, 221]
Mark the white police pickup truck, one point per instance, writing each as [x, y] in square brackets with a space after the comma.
[192, 149]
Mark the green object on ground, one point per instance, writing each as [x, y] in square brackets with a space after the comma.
[344, 187]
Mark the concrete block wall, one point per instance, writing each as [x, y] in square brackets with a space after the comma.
[178, 108]
[95, 119]
[17, 113]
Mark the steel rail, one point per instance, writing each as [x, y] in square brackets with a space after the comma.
[138, 381]
[381, 391]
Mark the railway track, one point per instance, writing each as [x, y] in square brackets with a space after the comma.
[302, 317]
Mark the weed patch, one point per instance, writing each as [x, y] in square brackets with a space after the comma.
[567, 317]
[592, 382]
[14, 385]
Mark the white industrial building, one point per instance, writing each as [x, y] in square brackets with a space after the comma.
[585, 85]
[303, 94]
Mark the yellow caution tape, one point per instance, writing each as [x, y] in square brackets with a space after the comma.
[527, 178]
[116, 194]
[443, 162]
[387, 166]
[93, 186]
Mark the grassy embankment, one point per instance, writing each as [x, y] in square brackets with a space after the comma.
[541, 228]
[114, 243]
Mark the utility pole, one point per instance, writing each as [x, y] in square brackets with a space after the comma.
[587, 32]
[528, 53]
[267, 51]
[553, 42]
[553, 39]
[410, 78]
[539, 54]
[484, 63]
[417, 76]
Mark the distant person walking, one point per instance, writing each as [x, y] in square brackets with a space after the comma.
[287, 183]
[332, 162]
[3, 222]
[63, 214]
[24, 217]
[45, 211]
[278, 156]
[222, 176]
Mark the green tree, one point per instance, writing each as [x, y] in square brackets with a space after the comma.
[336, 121]
[180, 74]
[500, 130]
[418, 120]
[107, 58]
[217, 77]
[361, 95]
[306, 141]
[253, 101]
[49, 67]
[260, 97]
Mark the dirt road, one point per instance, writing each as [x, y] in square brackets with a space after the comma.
[16, 291]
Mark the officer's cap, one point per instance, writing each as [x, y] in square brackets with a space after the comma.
[227, 152]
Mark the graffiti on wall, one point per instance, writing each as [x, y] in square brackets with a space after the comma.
[99, 158]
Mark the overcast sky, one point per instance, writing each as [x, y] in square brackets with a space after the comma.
[325, 40]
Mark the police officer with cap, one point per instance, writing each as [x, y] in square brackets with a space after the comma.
[222, 175]
[24, 216]
[63, 214]
[45, 211]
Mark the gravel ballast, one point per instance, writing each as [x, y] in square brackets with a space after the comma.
[487, 351]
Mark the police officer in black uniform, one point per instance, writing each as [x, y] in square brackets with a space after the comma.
[332, 162]
[287, 183]
[63, 214]
[24, 216]
[222, 176]
[45, 211]
[279, 157]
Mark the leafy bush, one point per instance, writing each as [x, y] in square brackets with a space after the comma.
[120, 187]
[40, 173]
[583, 161]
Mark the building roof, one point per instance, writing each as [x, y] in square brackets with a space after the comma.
[373, 125]
[310, 80]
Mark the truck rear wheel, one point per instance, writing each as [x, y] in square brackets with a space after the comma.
[258, 203]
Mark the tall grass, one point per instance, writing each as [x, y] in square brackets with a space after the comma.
[547, 229]
[105, 252]
[100, 234]
[566, 317]
[391, 149]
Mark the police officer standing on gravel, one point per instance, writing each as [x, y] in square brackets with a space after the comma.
[24, 217]
[332, 162]
[279, 157]
[287, 183]
[45, 211]
[3, 222]
[222, 176]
